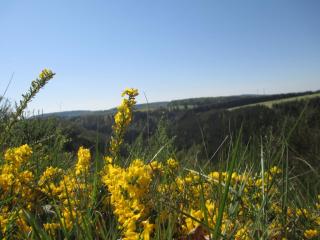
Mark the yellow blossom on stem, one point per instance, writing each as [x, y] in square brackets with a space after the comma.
[122, 119]
[18, 156]
[83, 161]
[48, 174]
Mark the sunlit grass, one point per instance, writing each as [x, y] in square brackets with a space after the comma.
[271, 103]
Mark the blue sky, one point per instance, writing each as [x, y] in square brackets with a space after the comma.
[168, 49]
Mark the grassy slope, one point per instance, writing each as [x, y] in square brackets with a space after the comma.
[271, 103]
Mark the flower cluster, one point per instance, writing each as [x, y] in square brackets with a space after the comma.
[122, 120]
[130, 196]
[193, 197]
[57, 190]
[83, 163]
[15, 189]
[70, 189]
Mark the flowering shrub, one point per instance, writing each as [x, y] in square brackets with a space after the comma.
[145, 199]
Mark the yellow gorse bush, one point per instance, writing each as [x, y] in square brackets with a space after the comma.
[19, 185]
[144, 197]
[14, 183]
[129, 189]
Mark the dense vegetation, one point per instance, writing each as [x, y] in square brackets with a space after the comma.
[197, 133]
[194, 172]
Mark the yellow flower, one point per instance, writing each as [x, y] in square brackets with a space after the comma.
[173, 164]
[51, 227]
[131, 92]
[311, 233]
[83, 161]
[147, 229]
[122, 120]
[242, 234]
[108, 160]
[17, 156]
[45, 73]
[48, 174]
[275, 170]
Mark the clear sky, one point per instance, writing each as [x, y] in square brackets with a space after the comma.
[169, 49]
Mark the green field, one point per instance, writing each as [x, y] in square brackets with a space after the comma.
[270, 104]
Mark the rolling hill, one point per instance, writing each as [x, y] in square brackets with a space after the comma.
[225, 102]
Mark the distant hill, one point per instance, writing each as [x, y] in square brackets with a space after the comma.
[79, 113]
[223, 102]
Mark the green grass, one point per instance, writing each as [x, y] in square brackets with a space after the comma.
[270, 104]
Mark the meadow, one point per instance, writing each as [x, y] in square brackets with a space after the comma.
[269, 104]
[46, 193]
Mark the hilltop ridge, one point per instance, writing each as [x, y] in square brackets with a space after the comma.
[220, 102]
